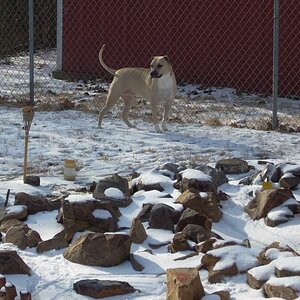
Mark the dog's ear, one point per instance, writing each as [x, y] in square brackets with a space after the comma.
[166, 57]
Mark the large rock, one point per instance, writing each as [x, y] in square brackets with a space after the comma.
[191, 216]
[12, 263]
[113, 189]
[218, 176]
[196, 179]
[163, 216]
[233, 166]
[98, 289]
[204, 203]
[88, 214]
[36, 204]
[5, 225]
[179, 243]
[22, 237]
[99, 249]
[282, 288]
[266, 200]
[18, 212]
[137, 232]
[197, 233]
[51, 244]
[289, 180]
[184, 284]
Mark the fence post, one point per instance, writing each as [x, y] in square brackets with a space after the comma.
[275, 64]
[31, 52]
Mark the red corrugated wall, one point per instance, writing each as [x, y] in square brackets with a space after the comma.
[211, 42]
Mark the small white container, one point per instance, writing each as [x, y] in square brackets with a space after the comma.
[70, 169]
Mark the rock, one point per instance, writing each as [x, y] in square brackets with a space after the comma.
[253, 282]
[22, 237]
[36, 204]
[289, 181]
[190, 216]
[89, 214]
[12, 263]
[98, 249]
[218, 176]
[279, 287]
[197, 233]
[215, 276]
[173, 168]
[52, 244]
[32, 180]
[152, 180]
[196, 179]
[6, 224]
[184, 284]
[286, 267]
[179, 243]
[204, 203]
[163, 216]
[113, 189]
[137, 232]
[266, 200]
[18, 212]
[144, 214]
[223, 295]
[136, 266]
[98, 289]
[205, 246]
[233, 166]
[272, 251]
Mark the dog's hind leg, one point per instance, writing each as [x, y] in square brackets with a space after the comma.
[128, 103]
[111, 100]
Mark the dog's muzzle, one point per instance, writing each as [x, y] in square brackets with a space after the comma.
[154, 74]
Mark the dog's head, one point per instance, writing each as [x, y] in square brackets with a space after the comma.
[160, 65]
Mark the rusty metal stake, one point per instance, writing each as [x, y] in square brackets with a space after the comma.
[28, 114]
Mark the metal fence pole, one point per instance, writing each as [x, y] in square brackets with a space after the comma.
[275, 63]
[31, 51]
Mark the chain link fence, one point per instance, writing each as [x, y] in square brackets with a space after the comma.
[221, 52]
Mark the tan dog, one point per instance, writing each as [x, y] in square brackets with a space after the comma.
[157, 84]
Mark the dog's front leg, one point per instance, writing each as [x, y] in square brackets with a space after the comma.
[154, 115]
[167, 109]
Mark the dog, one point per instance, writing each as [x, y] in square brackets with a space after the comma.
[157, 84]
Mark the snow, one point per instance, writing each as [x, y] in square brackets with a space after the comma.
[114, 193]
[195, 174]
[289, 263]
[16, 209]
[101, 214]
[59, 135]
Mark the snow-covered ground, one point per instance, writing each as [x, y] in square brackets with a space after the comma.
[56, 136]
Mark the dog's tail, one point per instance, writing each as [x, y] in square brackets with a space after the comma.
[107, 68]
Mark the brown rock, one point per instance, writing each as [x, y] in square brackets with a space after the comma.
[179, 242]
[144, 214]
[136, 266]
[287, 267]
[18, 212]
[22, 237]
[36, 204]
[12, 263]
[289, 181]
[207, 205]
[137, 232]
[205, 246]
[281, 290]
[117, 182]
[52, 244]
[266, 200]
[98, 289]
[184, 284]
[254, 282]
[223, 295]
[32, 180]
[5, 225]
[215, 276]
[264, 259]
[98, 249]
[163, 216]
[233, 166]
[197, 233]
[190, 216]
